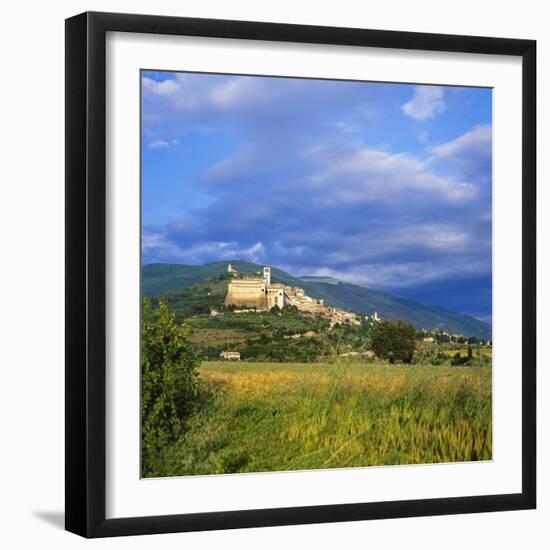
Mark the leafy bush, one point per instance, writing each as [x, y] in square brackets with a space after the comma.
[169, 386]
[394, 340]
[439, 358]
[458, 360]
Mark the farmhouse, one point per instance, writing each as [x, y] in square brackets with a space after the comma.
[230, 355]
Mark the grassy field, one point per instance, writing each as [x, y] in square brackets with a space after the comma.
[274, 417]
[213, 336]
[485, 352]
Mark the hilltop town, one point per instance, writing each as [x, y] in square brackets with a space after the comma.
[202, 289]
[261, 313]
[258, 293]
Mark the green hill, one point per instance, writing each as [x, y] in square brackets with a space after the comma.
[158, 279]
[312, 279]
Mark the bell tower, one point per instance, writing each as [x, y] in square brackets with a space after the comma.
[267, 276]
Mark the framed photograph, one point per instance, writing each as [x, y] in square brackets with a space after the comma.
[300, 274]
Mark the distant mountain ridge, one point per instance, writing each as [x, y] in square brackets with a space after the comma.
[158, 279]
[313, 279]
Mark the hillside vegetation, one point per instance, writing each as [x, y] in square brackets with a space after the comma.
[277, 336]
[175, 279]
[300, 399]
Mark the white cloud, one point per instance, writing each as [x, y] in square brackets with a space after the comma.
[426, 102]
[369, 244]
[187, 92]
[402, 274]
[231, 168]
[478, 141]
[168, 87]
[373, 176]
[183, 93]
[158, 144]
[162, 144]
[423, 137]
[469, 154]
[240, 92]
[159, 247]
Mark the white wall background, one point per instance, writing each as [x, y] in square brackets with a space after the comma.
[32, 271]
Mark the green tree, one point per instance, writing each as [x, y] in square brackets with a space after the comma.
[458, 360]
[394, 340]
[169, 385]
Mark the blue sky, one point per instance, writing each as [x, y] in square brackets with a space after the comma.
[383, 185]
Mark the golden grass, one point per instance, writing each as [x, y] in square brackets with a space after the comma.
[269, 417]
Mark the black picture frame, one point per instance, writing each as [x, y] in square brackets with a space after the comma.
[86, 279]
